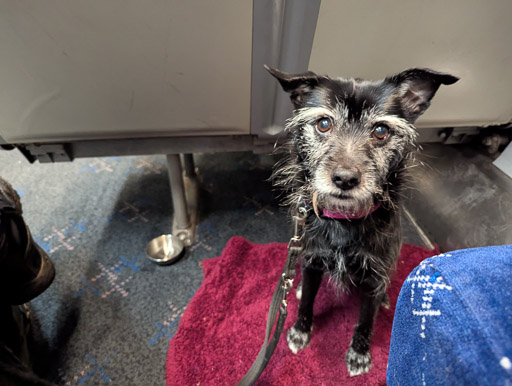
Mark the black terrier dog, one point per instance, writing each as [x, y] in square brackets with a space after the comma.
[349, 144]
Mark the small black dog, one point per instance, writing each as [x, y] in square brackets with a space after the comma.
[349, 144]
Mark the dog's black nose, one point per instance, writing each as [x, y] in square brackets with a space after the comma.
[346, 179]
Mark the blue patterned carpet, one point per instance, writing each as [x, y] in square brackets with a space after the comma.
[110, 312]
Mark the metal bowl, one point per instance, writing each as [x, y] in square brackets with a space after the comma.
[164, 249]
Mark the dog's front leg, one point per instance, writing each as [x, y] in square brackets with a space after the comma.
[358, 358]
[299, 335]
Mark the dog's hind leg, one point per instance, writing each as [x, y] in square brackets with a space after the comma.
[358, 358]
[299, 335]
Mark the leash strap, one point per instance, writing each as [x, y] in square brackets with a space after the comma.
[278, 306]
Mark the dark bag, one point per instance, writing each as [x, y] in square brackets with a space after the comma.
[25, 272]
[25, 269]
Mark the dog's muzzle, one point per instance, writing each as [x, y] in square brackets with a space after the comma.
[345, 178]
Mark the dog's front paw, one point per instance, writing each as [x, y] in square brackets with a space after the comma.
[357, 363]
[297, 340]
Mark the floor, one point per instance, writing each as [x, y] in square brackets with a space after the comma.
[110, 313]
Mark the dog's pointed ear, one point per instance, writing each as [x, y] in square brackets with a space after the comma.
[298, 85]
[416, 87]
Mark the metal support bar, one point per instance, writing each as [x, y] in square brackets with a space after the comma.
[181, 217]
[167, 145]
[188, 162]
[283, 33]
[168, 248]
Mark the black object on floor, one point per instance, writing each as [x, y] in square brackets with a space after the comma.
[25, 272]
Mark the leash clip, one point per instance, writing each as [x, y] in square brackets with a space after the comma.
[299, 222]
[287, 282]
[295, 244]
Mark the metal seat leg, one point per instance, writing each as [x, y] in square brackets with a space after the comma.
[167, 249]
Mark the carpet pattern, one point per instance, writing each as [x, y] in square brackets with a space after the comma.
[223, 327]
[110, 313]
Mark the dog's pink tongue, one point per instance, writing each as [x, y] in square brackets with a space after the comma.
[348, 215]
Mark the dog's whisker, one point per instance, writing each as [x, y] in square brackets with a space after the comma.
[315, 204]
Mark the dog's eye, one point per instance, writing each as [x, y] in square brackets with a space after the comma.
[324, 125]
[380, 132]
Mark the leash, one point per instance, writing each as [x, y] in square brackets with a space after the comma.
[278, 306]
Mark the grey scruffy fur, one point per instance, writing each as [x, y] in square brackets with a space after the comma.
[349, 144]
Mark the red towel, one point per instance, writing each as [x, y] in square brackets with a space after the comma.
[223, 327]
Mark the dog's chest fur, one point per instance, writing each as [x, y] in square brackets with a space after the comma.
[356, 251]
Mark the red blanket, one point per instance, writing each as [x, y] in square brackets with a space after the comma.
[223, 327]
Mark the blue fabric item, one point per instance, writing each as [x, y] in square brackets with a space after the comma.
[453, 321]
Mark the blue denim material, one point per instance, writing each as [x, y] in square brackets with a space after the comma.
[453, 321]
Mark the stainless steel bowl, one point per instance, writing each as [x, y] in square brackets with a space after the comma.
[164, 249]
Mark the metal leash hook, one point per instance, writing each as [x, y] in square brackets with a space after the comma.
[294, 248]
[287, 282]
[299, 222]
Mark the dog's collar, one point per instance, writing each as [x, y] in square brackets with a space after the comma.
[349, 215]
